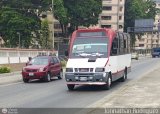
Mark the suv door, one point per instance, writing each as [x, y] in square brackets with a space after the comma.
[57, 65]
[52, 66]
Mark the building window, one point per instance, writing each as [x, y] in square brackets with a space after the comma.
[106, 17]
[57, 26]
[108, 8]
[121, 8]
[141, 45]
[106, 26]
[120, 26]
[120, 17]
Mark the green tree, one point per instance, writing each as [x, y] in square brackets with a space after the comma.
[77, 13]
[22, 16]
[60, 13]
[44, 39]
[138, 9]
[12, 22]
[83, 12]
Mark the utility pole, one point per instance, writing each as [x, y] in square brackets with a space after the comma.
[158, 31]
[53, 23]
[19, 39]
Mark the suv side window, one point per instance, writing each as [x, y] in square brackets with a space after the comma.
[55, 60]
[52, 60]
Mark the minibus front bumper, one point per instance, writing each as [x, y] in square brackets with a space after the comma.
[86, 78]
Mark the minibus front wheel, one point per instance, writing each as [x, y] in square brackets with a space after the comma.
[107, 86]
[70, 87]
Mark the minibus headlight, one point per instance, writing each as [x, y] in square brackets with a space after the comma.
[99, 70]
[69, 69]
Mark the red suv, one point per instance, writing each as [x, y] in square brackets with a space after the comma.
[43, 68]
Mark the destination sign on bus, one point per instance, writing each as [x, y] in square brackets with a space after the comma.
[84, 34]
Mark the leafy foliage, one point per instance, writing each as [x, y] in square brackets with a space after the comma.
[12, 22]
[4, 69]
[44, 34]
[77, 13]
[23, 16]
[139, 9]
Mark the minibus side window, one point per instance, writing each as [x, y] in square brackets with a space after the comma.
[114, 48]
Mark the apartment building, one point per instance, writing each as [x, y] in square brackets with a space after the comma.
[112, 15]
[152, 39]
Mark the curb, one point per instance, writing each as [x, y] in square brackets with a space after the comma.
[11, 82]
[12, 77]
[10, 74]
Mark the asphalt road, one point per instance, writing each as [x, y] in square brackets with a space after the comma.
[56, 95]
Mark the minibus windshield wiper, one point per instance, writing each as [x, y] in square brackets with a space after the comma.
[84, 54]
[97, 54]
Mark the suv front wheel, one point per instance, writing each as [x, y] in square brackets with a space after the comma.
[25, 80]
[48, 77]
[70, 87]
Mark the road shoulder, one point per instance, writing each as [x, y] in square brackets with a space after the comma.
[10, 77]
[140, 93]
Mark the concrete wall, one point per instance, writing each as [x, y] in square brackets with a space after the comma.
[10, 56]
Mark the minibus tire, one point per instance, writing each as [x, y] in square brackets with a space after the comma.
[70, 87]
[123, 79]
[107, 86]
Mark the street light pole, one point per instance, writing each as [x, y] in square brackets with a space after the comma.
[19, 39]
[53, 22]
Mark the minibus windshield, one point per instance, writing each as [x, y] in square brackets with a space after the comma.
[89, 47]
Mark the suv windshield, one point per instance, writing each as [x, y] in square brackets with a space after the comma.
[39, 61]
[89, 47]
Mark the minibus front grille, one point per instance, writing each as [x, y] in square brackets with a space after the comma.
[83, 70]
[83, 74]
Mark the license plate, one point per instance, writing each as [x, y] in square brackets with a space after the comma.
[83, 78]
[31, 74]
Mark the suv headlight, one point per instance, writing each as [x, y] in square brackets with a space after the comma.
[99, 69]
[23, 69]
[41, 69]
[69, 69]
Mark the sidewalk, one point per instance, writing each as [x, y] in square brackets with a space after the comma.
[141, 93]
[10, 77]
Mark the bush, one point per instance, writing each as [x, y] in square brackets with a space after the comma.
[63, 63]
[4, 69]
